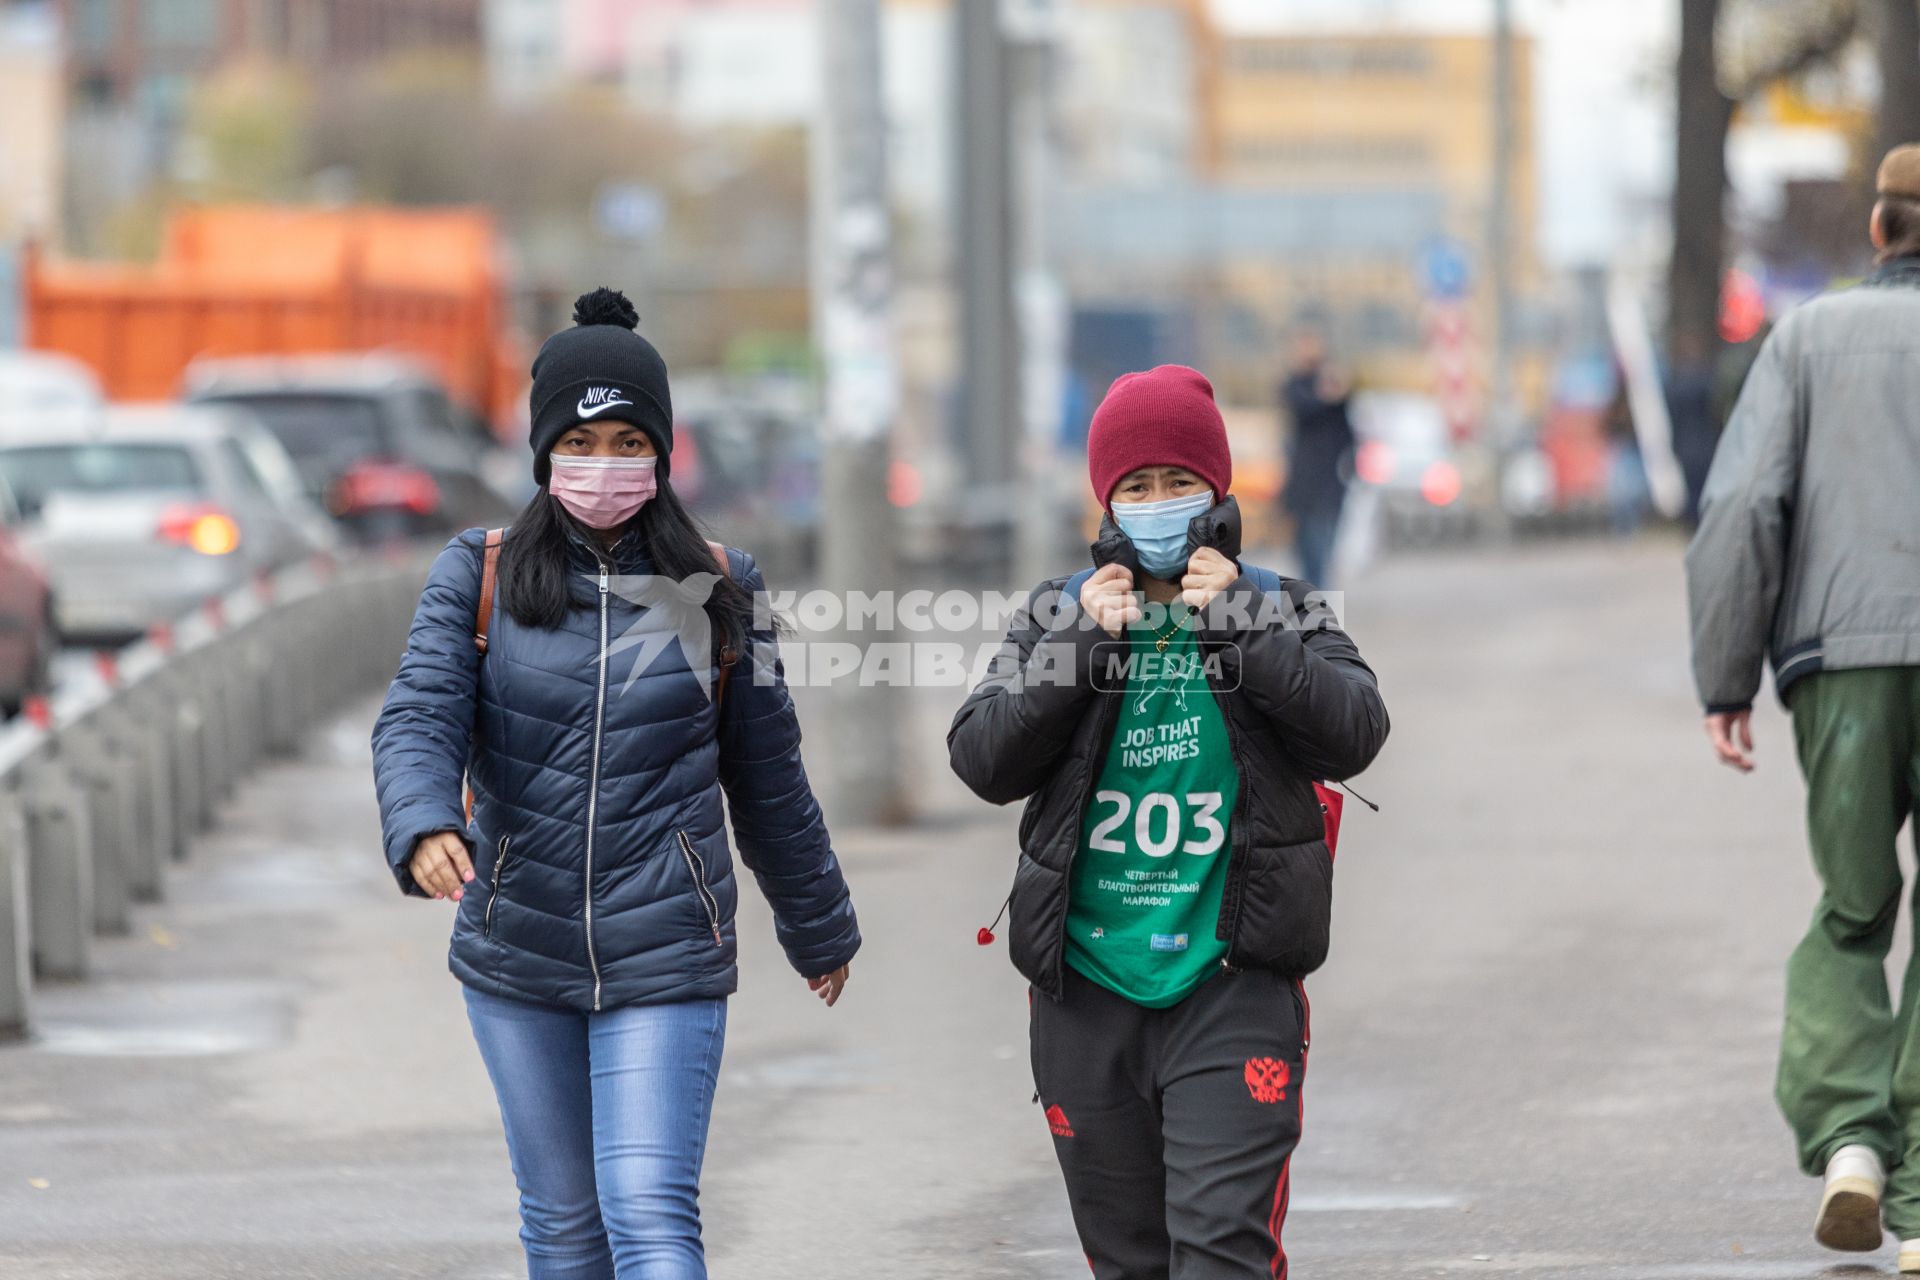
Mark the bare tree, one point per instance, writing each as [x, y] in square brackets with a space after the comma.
[1896, 43]
[1730, 51]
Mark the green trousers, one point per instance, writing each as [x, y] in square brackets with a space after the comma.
[1849, 1061]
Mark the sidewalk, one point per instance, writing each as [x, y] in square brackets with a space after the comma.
[273, 1075]
[1543, 1043]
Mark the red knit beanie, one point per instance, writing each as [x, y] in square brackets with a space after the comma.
[1164, 417]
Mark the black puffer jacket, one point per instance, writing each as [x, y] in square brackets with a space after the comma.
[1299, 705]
[598, 762]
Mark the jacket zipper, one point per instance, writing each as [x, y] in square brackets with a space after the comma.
[593, 784]
[1109, 716]
[697, 868]
[1237, 869]
[499, 865]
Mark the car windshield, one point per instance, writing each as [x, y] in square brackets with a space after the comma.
[35, 471]
[324, 434]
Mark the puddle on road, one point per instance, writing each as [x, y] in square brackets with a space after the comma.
[1567, 1265]
[345, 741]
[290, 876]
[1373, 1201]
[1759, 1270]
[171, 1020]
[802, 1071]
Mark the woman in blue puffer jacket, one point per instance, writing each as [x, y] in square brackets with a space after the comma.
[597, 702]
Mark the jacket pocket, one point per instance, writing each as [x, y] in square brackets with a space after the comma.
[493, 890]
[697, 868]
[1037, 923]
[1286, 910]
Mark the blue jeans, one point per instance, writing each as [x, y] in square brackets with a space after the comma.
[1314, 537]
[606, 1117]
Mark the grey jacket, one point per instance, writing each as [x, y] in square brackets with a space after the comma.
[1808, 550]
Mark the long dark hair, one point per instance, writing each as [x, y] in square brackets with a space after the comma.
[536, 581]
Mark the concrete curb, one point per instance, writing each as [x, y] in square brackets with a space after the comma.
[135, 758]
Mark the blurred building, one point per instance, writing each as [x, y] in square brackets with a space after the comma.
[1207, 187]
[30, 146]
[1128, 97]
[133, 65]
[524, 41]
[30, 149]
[1342, 178]
[149, 50]
[730, 65]
[1796, 167]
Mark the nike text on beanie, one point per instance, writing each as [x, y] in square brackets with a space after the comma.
[599, 369]
[1164, 417]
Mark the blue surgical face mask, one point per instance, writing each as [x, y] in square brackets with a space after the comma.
[1158, 531]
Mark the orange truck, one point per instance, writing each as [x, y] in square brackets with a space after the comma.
[269, 280]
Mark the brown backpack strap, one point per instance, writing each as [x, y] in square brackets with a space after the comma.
[483, 618]
[489, 570]
[727, 655]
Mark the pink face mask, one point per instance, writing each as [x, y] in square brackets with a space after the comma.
[602, 492]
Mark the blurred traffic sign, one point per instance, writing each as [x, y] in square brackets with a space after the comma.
[1444, 269]
[631, 211]
[1453, 356]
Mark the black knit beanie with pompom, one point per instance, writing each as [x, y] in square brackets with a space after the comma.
[597, 370]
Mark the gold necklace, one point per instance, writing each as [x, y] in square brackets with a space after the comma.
[1164, 640]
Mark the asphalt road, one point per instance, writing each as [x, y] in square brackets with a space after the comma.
[1543, 1044]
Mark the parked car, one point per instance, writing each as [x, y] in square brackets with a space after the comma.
[28, 641]
[1405, 457]
[376, 439]
[39, 381]
[142, 512]
[749, 466]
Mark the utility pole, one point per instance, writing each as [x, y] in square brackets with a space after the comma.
[1505, 408]
[990, 418]
[853, 330]
[1896, 31]
[1042, 541]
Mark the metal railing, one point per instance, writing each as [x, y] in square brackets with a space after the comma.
[109, 780]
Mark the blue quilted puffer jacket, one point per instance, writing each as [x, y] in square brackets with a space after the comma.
[602, 874]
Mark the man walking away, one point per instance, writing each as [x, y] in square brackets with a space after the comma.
[1316, 398]
[1809, 551]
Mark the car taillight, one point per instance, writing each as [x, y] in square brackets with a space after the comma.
[369, 486]
[1440, 484]
[904, 485]
[1373, 462]
[204, 528]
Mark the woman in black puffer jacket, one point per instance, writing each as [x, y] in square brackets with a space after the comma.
[1165, 714]
[598, 702]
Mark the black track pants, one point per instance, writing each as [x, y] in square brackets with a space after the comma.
[1174, 1127]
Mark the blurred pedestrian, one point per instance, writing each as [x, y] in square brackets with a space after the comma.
[1692, 385]
[1319, 453]
[595, 927]
[1808, 550]
[1165, 727]
[1627, 490]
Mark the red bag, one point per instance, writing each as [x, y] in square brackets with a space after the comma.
[1330, 804]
